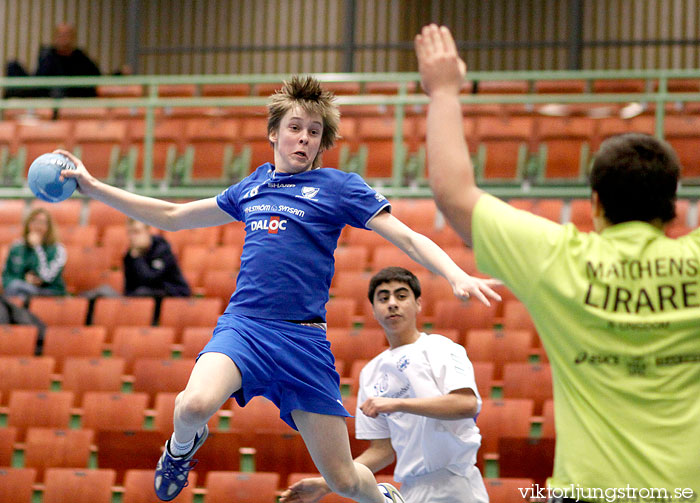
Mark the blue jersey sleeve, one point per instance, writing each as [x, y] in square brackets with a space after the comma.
[359, 202]
[228, 201]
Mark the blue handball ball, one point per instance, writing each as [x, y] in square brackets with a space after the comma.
[43, 178]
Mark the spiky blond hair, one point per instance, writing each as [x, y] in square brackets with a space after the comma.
[307, 93]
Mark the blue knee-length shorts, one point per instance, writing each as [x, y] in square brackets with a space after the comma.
[287, 363]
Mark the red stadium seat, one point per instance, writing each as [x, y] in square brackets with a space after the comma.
[132, 343]
[39, 409]
[16, 484]
[54, 448]
[526, 380]
[244, 487]
[153, 375]
[179, 313]
[499, 418]
[31, 373]
[138, 487]
[8, 436]
[103, 410]
[78, 486]
[18, 340]
[92, 374]
[507, 490]
[64, 311]
[63, 342]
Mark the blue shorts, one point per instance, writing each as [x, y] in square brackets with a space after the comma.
[287, 363]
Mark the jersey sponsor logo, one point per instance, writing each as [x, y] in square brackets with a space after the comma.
[403, 363]
[379, 197]
[309, 193]
[273, 225]
[381, 385]
[274, 208]
[274, 185]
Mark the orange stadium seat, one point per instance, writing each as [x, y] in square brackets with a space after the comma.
[92, 374]
[526, 457]
[194, 339]
[505, 141]
[233, 234]
[206, 236]
[549, 208]
[682, 133]
[244, 487]
[209, 139]
[581, 215]
[548, 430]
[611, 126]
[456, 314]
[51, 409]
[349, 345]
[78, 486]
[566, 140]
[133, 343]
[60, 310]
[483, 375]
[281, 453]
[54, 448]
[340, 312]
[16, 484]
[125, 450]
[79, 341]
[259, 415]
[31, 373]
[153, 375]
[219, 284]
[351, 258]
[101, 215]
[67, 213]
[111, 313]
[100, 141]
[507, 490]
[18, 340]
[179, 313]
[104, 410]
[390, 256]
[12, 211]
[79, 235]
[116, 241]
[516, 316]
[8, 436]
[168, 133]
[419, 214]
[526, 380]
[254, 137]
[499, 418]
[377, 134]
[499, 347]
[226, 89]
[352, 285]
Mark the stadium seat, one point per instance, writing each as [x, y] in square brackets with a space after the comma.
[349, 345]
[390, 256]
[153, 375]
[79, 235]
[456, 314]
[8, 436]
[133, 343]
[32, 373]
[682, 133]
[54, 448]
[50, 409]
[581, 215]
[499, 347]
[125, 450]
[80, 278]
[564, 144]
[330, 498]
[219, 284]
[80, 341]
[18, 340]
[619, 86]
[526, 380]
[517, 317]
[209, 138]
[351, 258]
[507, 490]
[179, 313]
[199, 259]
[78, 486]
[340, 312]
[259, 415]
[499, 418]
[115, 91]
[111, 313]
[66, 214]
[352, 285]
[116, 241]
[504, 147]
[16, 484]
[101, 142]
[12, 211]
[526, 457]
[63, 311]
[233, 234]
[194, 339]
[612, 126]
[225, 89]
[483, 375]
[569, 86]
[138, 487]
[92, 374]
[104, 410]
[354, 375]
[281, 453]
[168, 134]
[550, 209]
[101, 215]
[548, 427]
[206, 236]
[244, 487]
[463, 257]
[254, 137]
[377, 135]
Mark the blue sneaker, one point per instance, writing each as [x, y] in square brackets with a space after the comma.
[390, 493]
[171, 473]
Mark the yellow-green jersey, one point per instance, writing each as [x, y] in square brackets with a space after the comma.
[619, 316]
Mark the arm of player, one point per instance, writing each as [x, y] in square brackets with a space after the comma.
[428, 254]
[379, 454]
[156, 212]
[451, 172]
[458, 404]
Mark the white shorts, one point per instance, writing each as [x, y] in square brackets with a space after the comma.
[443, 486]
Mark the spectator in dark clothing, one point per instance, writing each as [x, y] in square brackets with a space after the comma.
[150, 268]
[62, 59]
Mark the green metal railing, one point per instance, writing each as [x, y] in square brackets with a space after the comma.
[394, 186]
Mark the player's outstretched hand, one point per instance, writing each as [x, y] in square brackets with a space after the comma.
[85, 180]
[441, 68]
[465, 286]
[308, 490]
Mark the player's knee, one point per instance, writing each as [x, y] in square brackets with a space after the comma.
[345, 483]
[193, 408]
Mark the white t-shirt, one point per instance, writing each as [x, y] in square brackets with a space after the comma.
[432, 366]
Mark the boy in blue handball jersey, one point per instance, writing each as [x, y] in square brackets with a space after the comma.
[269, 342]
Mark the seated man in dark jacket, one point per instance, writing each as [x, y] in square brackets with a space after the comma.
[150, 268]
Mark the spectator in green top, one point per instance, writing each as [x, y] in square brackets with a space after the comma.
[35, 262]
